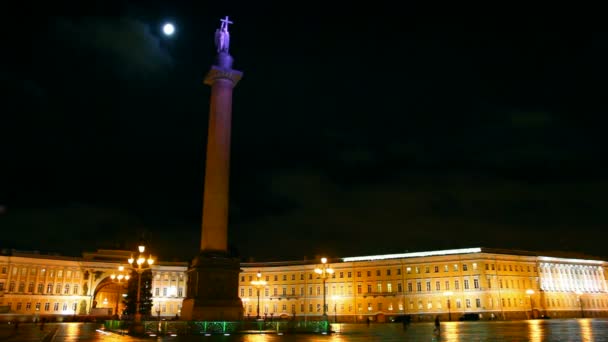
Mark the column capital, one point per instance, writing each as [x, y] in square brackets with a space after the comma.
[216, 73]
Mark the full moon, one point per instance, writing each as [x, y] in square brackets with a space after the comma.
[168, 29]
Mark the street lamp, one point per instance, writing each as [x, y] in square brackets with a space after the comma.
[579, 298]
[530, 292]
[335, 298]
[140, 268]
[259, 283]
[324, 270]
[118, 279]
[448, 294]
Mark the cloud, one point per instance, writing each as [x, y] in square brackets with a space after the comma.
[125, 43]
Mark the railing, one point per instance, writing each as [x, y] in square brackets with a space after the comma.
[288, 296]
[221, 327]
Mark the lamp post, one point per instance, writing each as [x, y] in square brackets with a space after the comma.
[118, 278]
[448, 294]
[140, 268]
[258, 283]
[324, 270]
[530, 292]
[335, 298]
[579, 298]
[245, 301]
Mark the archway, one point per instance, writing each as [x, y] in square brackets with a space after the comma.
[108, 298]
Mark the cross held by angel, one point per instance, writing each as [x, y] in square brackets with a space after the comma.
[222, 36]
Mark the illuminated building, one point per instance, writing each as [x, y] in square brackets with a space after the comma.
[490, 282]
[504, 284]
[49, 285]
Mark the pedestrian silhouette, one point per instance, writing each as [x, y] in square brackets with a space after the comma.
[437, 325]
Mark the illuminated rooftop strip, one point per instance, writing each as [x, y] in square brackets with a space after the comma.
[413, 255]
[581, 261]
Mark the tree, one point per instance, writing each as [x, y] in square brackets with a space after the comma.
[145, 296]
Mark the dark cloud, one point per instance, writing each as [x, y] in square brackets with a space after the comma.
[127, 44]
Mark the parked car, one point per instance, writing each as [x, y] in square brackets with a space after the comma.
[469, 317]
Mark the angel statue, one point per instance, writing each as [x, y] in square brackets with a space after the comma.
[222, 36]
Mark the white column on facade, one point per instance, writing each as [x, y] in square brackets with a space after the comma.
[571, 284]
[596, 279]
[558, 277]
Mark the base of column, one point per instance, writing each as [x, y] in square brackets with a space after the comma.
[213, 283]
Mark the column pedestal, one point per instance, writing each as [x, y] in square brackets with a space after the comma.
[213, 285]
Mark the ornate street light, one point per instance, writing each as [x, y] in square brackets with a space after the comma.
[530, 292]
[140, 267]
[258, 283]
[120, 276]
[324, 270]
[449, 294]
[118, 279]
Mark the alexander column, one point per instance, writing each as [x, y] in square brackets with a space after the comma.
[213, 277]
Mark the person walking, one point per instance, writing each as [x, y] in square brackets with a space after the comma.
[437, 325]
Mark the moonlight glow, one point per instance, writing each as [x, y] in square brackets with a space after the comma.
[168, 29]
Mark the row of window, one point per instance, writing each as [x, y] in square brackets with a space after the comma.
[370, 289]
[47, 306]
[348, 307]
[165, 276]
[420, 305]
[40, 289]
[170, 291]
[388, 288]
[408, 270]
[32, 272]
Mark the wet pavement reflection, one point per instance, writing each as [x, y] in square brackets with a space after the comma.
[530, 330]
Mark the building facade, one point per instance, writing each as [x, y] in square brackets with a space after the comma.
[50, 285]
[487, 283]
[490, 284]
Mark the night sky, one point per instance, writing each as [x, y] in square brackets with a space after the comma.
[356, 131]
